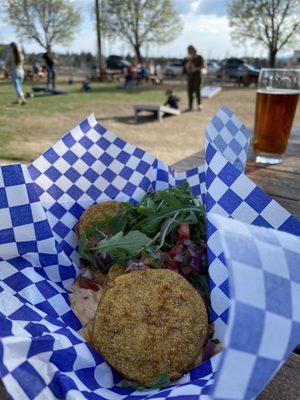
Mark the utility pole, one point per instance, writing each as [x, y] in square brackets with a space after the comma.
[98, 29]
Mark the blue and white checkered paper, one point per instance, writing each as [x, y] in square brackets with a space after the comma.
[42, 356]
[232, 194]
[264, 319]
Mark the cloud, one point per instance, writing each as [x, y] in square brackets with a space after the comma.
[182, 7]
[208, 33]
[215, 7]
[79, 3]
[205, 26]
[201, 7]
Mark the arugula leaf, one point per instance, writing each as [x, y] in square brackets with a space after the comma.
[153, 258]
[162, 381]
[118, 222]
[165, 231]
[123, 246]
[143, 210]
[151, 224]
[82, 247]
[168, 198]
[95, 230]
[127, 384]
[187, 258]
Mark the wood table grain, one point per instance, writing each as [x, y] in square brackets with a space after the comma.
[282, 182]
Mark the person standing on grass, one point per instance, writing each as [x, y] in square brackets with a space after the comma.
[15, 65]
[50, 66]
[192, 69]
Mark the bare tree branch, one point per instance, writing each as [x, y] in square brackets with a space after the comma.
[44, 21]
[140, 21]
[270, 22]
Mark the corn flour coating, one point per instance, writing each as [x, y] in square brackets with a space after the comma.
[150, 322]
[97, 213]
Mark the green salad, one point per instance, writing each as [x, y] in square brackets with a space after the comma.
[165, 230]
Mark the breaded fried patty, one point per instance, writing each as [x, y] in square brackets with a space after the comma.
[97, 213]
[116, 270]
[150, 322]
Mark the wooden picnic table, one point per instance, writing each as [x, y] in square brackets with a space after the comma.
[282, 182]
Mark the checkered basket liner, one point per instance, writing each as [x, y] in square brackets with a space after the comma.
[42, 355]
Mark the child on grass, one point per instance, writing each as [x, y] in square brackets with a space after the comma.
[172, 101]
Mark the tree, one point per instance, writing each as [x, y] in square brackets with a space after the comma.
[273, 23]
[2, 47]
[140, 21]
[44, 21]
[98, 30]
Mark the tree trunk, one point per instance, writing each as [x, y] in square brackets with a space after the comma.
[98, 29]
[137, 49]
[272, 57]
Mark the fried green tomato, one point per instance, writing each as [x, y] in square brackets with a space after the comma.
[150, 322]
[97, 213]
[116, 270]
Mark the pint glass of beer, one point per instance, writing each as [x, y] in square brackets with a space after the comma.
[276, 103]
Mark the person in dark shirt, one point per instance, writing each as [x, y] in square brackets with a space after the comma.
[143, 73]
[172, 101]
[192, 69]
[86, 87]
[50, 66]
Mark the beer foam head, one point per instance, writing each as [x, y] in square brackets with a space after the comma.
[278, 91]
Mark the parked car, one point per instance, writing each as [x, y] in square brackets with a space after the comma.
[212, 67]
[116, 63]
[251, 74]
[173, 68]
[238, 72]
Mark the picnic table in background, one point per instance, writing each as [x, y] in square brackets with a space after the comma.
[110, 76]
[282, 182]
[155, 79]
[157, 109]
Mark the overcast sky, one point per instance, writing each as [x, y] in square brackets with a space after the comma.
[205, 26]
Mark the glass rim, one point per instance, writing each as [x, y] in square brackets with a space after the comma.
[281, 69]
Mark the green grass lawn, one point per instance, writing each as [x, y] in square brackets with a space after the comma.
[43, 105]
[27, 131]
[14, 118]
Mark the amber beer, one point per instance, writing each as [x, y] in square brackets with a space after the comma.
[275, 110]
